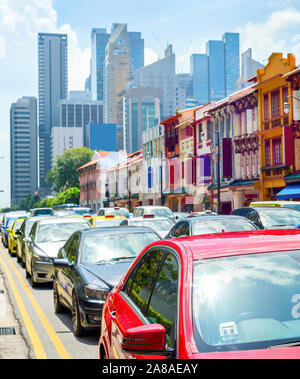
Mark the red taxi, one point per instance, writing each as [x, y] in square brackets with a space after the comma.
[227, 295]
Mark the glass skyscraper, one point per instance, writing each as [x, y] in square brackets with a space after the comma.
[216, 69]
[232, 61]
[199, 73]
[99, 41]
[23, 148]
[53, 87]
[215, 73]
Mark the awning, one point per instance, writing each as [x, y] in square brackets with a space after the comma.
[292, 191]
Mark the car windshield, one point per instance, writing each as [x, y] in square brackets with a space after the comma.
[28, 227]
[107, 222]
[18, 225]
[115, 247]
[247, 301]
[60, 231]
[293, 206]
[278, 217]
[10, 223]
[157, 225]
[218, 226]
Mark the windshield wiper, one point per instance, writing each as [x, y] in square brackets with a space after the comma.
[120, 258]
[286, 344]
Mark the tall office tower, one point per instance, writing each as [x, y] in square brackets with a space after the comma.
[142, 107]
[161, 74]
[249, 65]
[116, 74]
[216, 69]
[23, 148]
[79, 110]
[53, 86]
[99, 39]
[232, 61]
[215, 73]
[64, 138]
[199, 74]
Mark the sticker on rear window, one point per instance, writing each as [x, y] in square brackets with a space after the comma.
[228, 330]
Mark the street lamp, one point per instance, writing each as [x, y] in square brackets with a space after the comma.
[216, 153]
[286, 105]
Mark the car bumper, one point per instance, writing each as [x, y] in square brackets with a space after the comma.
[43, 271]
[13, 246]
[91, 313]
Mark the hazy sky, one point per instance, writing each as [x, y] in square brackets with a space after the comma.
[264, 25]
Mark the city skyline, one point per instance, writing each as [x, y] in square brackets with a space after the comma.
[277, 24]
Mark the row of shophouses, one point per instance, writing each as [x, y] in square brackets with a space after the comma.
[218, 156]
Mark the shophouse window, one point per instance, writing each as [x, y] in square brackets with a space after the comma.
[277, 151]
[208, 129]
[266, 107]
[275, 103]
[200, 132]
[268, 153]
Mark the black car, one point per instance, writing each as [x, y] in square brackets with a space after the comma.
[88, 267]
[269, 217]
[210, 224]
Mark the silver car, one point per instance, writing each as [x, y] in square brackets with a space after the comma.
[161, 225]
[46, 237]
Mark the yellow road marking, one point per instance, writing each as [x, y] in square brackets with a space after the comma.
[62, 352]
[36, 342]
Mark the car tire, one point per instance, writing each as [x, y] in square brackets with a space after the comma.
[58, 307]
[77, 327]
[34, 283]
[27, 273]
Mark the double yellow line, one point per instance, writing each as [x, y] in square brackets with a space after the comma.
[35, 340]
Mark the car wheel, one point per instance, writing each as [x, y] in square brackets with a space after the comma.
[58, 307]
[34, 283]
[23, 260]
[27, 273]
[77, 327]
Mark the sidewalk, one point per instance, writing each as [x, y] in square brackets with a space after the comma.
[12, 346]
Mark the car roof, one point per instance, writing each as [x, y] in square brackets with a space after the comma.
[236, 243]
[141, 218]
[117, 230]
[279, 209]
[215, 217]
[60, 220]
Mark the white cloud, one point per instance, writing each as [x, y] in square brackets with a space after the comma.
[150, 56]
[20, 23]
[279, 33]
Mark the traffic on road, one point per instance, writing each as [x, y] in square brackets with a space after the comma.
[155, 284]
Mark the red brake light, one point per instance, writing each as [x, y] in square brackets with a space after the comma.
[109, 216]
[148, 216]
[86, 216]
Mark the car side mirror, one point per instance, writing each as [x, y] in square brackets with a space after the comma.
[19, 233]
[62, 263]
[8, 230]
[147, 339]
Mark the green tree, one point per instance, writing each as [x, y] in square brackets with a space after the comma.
[64, 174]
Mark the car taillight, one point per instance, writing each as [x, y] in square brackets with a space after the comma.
[148, 216]
[109, 216]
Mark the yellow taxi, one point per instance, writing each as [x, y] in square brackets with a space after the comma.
[277, 203]
[13, 236]
[106, 221]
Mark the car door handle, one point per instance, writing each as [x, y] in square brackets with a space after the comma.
[113, 314]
